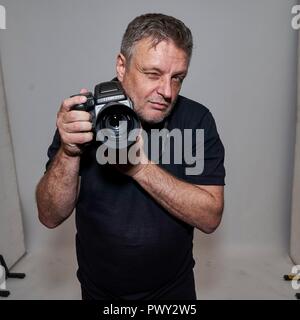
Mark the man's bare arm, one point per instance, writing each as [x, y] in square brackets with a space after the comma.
[199, 206]
[56, 192]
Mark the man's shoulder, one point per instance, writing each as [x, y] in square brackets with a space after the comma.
[190, 111]
[187, 105]
[184, 101]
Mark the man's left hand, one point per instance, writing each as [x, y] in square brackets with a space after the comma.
[137, 159]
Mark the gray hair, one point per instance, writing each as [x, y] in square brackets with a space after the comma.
[158, 27]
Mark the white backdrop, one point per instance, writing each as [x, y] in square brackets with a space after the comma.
[295, 221]
[11, 228]
[243, 70]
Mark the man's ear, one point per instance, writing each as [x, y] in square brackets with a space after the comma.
[121, 66]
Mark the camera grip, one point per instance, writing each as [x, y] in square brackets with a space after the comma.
[79, 107]
[88, 105]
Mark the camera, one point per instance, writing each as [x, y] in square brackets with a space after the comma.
[113, 117]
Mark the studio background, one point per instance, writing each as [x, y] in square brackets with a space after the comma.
[244, 69]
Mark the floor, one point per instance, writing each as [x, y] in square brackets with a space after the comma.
[50, 275]
[235, 274]
[245, 275]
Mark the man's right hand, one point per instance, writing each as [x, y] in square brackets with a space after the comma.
[74, 126]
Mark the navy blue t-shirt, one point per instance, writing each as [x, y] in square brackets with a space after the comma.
[127, 244]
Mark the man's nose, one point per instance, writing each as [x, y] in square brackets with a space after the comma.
[165, 88]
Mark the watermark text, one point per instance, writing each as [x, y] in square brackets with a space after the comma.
[2, 278]
[164, 146]
[296, 18]
[2, 17]
[296, 281]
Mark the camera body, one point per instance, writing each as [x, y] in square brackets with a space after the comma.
[113, 117]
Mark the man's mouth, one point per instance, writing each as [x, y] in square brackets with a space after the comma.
[159, 105]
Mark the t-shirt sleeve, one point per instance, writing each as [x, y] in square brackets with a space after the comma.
[211, 161]
[53, 148]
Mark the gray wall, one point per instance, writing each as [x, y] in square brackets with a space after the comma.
[243, 69]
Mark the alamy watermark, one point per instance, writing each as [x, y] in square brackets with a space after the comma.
[296, 279]
[2, 17]
[296, 19]
[160, 146]
[2, 278]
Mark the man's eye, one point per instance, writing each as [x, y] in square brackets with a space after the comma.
[178, 79]
[152, 75]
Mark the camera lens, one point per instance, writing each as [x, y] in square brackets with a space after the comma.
[113, 121]
[118, 120]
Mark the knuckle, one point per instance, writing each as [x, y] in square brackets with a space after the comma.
[65, 104]
[87, 136]
[72, 116]
[59, 123]
[81, 138]
[73, 100]
[63, 137]
[78, 127]
[59, 115]
[86, 126]
[63, 119]
[76, 100]
[71, 128]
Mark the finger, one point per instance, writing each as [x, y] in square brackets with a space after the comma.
[79, 126]
[77, 138]
[84, 90]
[75, 115]
[68, 103]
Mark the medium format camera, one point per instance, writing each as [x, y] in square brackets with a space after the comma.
[112, 114]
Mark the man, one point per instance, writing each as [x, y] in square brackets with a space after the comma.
[135, 222]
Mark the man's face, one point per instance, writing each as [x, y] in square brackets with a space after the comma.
[153, 78]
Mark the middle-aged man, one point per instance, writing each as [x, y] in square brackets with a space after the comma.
[135, 222]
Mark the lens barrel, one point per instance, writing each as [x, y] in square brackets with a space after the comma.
[115, 121]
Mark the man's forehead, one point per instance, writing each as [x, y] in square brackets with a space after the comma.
[153, 50]
[149, 43]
